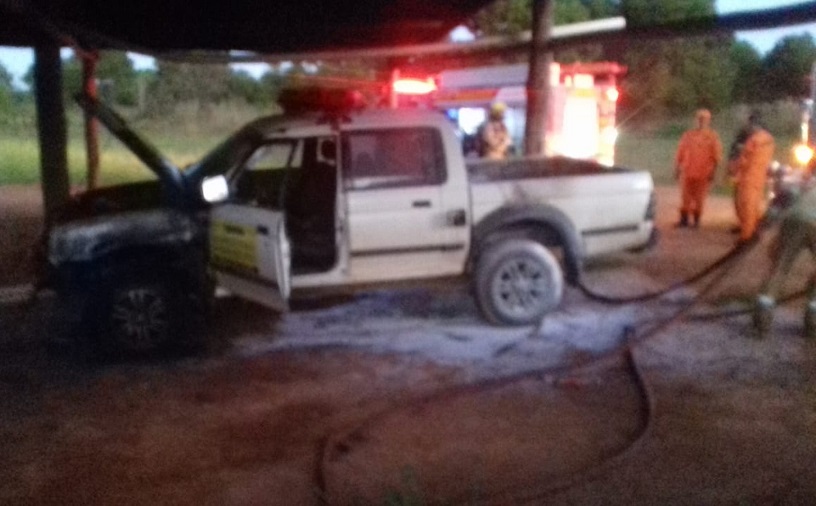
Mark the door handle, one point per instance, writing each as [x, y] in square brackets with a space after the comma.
[421, 203]
[457, 217]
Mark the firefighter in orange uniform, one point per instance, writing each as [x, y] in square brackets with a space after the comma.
[698, 155]
[751, 174]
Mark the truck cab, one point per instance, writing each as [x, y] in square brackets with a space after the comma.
[369, 201]
[330, 199]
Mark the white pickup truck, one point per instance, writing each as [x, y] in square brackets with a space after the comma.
[331, 201]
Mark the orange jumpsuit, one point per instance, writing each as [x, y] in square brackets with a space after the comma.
[698, 155]
[752, 174]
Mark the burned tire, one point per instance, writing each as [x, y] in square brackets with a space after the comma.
[517, 282]
[137, 316]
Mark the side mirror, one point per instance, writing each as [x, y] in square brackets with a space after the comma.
[215, 189]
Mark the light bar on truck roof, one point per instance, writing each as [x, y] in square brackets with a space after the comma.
[411, 86]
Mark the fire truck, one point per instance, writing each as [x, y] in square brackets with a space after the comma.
[581, 108]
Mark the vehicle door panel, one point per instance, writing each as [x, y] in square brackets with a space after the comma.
[398, 226]
[250, 253]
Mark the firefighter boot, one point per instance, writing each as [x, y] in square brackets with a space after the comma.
[763, 315]
[683, 221]
[810, 320]
[696, 222]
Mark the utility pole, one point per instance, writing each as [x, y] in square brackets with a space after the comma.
[51, 128]
[91, 125]
[538, 79]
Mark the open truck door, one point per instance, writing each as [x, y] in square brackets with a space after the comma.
[250, 253]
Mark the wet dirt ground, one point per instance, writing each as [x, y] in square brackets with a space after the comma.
[405, 397]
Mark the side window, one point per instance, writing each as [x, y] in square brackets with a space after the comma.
[276, 155]
[261, 178]
[393, 158]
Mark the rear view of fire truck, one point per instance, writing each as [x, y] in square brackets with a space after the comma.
[581, 109]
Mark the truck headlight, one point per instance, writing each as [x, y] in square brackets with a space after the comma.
[215, 189]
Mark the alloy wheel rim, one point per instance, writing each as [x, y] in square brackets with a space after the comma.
[140, 317]
[520, 287]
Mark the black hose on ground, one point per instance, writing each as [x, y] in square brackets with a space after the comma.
[343, 441]
[738, 250]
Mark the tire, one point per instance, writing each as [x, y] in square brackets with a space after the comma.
[517, 282]
[137, 315]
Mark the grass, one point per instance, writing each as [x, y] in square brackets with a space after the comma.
[183, 136]
[652, 146]
[190, 131]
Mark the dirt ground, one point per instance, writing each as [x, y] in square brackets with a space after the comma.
[406, 397]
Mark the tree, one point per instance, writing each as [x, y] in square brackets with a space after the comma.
[680, 74]
[114, 71]
[242, 85]
[188, 82]
[511, 17]
[747, 65]
[786, 67]
[674, 75]
[6, 90]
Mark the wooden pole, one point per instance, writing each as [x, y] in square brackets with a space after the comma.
[51, 128]
[91, 123]
[538, 79]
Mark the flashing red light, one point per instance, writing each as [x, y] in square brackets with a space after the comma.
[612, 94]
[414, 86]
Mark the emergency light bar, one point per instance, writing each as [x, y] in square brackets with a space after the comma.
[317, 99]
[414, 86]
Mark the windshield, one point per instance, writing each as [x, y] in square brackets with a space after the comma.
[231, 153]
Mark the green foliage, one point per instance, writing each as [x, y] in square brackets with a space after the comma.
[242, 85]
[116, 78]
[651, 12]
[6, 92]
[177, 83]
[184, 137]
[664, 76]
[503, 17]
[678, 75]
[786, 68]
[747, 65]
[511, 17]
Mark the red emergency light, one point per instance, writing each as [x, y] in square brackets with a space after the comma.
[411, 86]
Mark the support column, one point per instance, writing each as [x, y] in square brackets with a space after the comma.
[91, 124]
[538, 79]
[51, 128]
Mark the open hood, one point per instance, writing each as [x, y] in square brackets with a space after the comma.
[174, 185]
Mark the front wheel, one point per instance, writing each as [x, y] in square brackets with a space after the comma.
[139, 314]
[518, 282]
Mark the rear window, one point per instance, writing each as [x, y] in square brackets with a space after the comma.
[393, 158]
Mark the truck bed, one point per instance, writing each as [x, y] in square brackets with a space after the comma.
[611, 208]
[526, 168]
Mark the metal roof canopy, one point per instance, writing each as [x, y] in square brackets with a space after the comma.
[166, 26]
[156, 26]
[307, 26]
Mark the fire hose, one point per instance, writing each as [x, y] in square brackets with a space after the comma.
[737, 251]
[341, 442]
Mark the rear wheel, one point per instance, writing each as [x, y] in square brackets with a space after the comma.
[518, 282]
